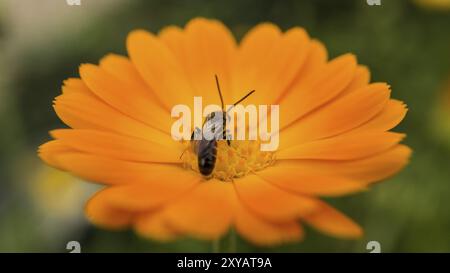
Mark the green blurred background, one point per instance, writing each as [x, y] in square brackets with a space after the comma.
[43, 42]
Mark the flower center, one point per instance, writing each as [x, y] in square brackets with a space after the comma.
[237, 160]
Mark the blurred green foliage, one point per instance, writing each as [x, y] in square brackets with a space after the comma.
[402, 44]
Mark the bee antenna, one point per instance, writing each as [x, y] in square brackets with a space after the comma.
[243, 98]
[220, 92]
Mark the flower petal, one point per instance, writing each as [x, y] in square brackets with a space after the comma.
[253, 49]
[330, 221]
[152, 225]
[391, 115]
[117, 146]
[270, 202]
[263, 233]
[276, 70]
[307, 95]
[209, 49]
[112, 171]
[130, 94]
[289, 178]
[371, 169]
[85, 111]
[75, 85]
[48, 150]
[101, 213]
[315, 62]
[206, 212]
[360, 79]
[173, 37]
[130, 100]
[159, 68]
[337, 117]
[139, 197]
[343, 147]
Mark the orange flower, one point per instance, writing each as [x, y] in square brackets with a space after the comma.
[334, 135]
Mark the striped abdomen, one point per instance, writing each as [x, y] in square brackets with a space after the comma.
[207, 151]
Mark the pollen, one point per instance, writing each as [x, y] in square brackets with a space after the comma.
[242, 157]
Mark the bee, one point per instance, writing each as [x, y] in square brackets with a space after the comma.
[215, 124]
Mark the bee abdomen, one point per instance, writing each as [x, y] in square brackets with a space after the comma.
[207, 151]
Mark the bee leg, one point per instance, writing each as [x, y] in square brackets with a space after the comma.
[227, 136]
[183, 152]
[195, 133]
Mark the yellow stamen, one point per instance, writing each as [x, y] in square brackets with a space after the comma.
[239, 159]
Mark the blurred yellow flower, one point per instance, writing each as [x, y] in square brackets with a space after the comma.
[441, 115]
[334, 134]
[57, 192]
[434, 4]
[57, 199]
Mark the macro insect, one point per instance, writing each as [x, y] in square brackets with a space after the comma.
[215, 123]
